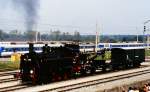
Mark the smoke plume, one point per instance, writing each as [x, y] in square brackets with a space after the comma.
[29, 9]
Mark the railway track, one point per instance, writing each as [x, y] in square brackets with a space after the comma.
[95, 82]
[7, 76]
[13, 87]
[8, 72]
[8, 80]
[74, 84]
[6, 69]
[8, 83]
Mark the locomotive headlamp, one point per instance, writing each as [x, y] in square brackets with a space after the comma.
[31, 71]
[29, 59]
[136, 56]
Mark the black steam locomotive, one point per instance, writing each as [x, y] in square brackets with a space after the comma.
[53, 64]
[61, 63]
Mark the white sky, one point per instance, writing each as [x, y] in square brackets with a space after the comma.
[113, 16]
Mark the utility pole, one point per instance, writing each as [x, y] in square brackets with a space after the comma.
[137, 36]
[97, 37]
[96, 42]
[36, 36]
[147, 34]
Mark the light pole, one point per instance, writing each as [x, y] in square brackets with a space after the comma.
[137, 36]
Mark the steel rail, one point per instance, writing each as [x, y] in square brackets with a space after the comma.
[13, 88]
[95, 82]
[8, 80]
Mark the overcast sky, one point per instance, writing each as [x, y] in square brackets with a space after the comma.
[113, 16]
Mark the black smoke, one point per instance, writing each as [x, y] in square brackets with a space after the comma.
[29, 10]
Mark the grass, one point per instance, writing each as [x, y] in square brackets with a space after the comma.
[9, 65]
[147, 52]
[107, 56]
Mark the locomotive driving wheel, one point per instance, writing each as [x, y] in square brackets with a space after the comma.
[53, 76]
[56, 77]
[65, 76]
[33, 76]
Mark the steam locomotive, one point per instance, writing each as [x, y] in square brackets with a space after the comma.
[65, 62]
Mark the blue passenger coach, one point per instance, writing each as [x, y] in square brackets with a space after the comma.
[8, 49]
[122, 45]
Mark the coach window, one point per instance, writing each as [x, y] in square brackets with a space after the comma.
[81, 47]
[22, 49]
[26, 49]
[6, 49]
[10, 49]
[19, 49]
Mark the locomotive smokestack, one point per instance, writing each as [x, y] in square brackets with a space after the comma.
[31, 47]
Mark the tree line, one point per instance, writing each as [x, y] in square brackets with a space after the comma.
[16, 35]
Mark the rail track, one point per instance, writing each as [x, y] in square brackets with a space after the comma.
[95, 82]
[8, 72]
[74, 84]
[7, 76]
[10, 84]
[8, 80]
[13, 87]
[6, 69]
